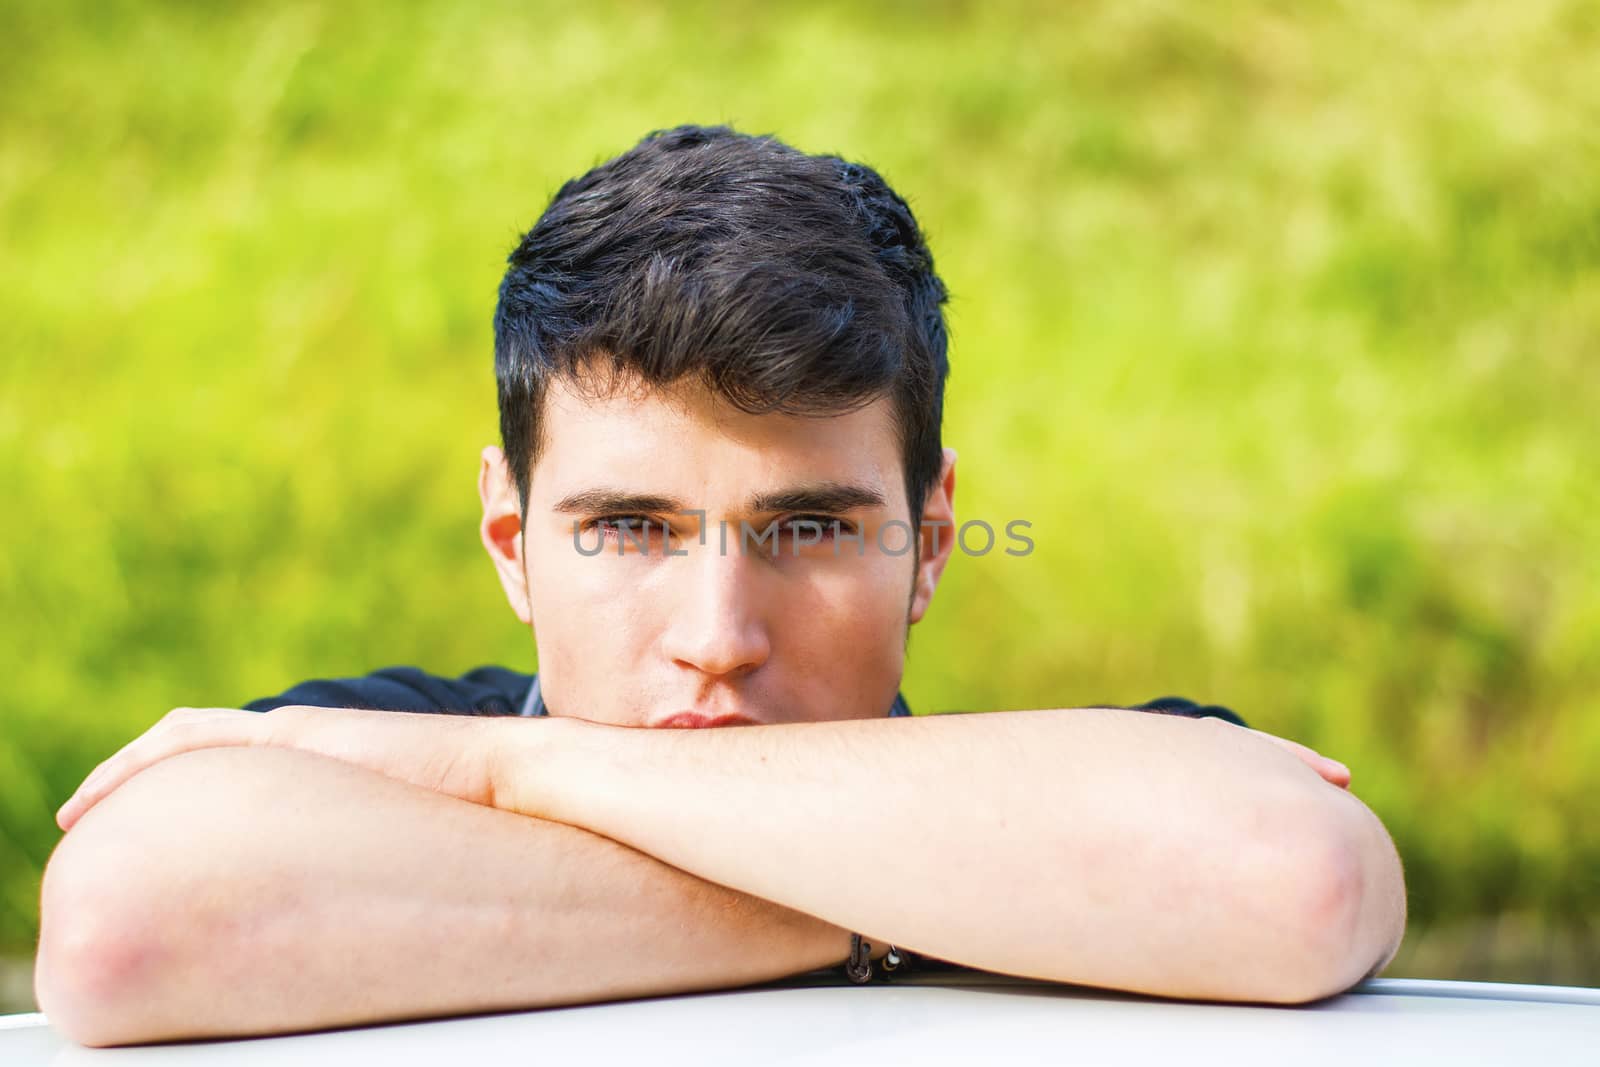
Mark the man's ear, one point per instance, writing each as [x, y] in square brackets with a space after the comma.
[501, 529]
[938, 537]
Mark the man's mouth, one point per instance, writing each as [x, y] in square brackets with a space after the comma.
[689, 720]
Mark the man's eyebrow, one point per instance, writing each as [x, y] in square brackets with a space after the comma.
[821, 496]
[616, 501]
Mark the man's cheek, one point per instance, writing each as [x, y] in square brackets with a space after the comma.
[865, 652]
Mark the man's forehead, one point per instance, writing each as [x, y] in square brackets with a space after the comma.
[684, 438]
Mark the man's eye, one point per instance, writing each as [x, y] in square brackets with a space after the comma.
[815, 529]
[634, 527]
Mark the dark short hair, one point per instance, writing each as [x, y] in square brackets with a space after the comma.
[785, 282]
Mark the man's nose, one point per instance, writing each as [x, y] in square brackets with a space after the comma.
[719, 625]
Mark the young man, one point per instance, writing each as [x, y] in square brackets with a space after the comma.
[722, 500]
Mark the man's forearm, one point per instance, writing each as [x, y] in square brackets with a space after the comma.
[1115, 848]
[245, 891]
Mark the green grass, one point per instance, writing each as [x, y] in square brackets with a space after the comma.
[1280, 327]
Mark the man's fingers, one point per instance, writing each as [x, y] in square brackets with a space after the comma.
[1331, 770]
[181, 730]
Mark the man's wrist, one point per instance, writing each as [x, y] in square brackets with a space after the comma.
[528, 759]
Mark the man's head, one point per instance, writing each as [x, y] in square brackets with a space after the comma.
[716, 332]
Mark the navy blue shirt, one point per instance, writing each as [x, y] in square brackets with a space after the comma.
[500, 691]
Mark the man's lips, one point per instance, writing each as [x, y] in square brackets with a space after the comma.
[689, 720]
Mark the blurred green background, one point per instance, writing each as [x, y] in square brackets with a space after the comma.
[1280, 325]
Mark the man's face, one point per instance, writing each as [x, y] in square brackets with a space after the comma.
[702, 618]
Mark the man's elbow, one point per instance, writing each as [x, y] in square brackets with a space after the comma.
[93, 975]
[1342, 905]
[125, 933]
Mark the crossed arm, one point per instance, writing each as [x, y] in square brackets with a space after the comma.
[439, 865]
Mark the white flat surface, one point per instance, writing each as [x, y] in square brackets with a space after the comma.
[933, 1019]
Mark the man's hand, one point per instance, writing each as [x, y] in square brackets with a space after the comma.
[1332, 771]
[447, 754]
